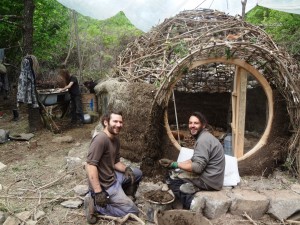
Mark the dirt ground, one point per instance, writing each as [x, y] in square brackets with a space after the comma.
[36, 177]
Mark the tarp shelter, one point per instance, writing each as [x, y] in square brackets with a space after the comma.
[146, 14]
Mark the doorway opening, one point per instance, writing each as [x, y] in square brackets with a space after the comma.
[235, 98]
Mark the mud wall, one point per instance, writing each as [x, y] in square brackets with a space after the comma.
[275, 150]
[134, 100]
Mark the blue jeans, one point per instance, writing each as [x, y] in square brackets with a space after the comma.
[119, 203]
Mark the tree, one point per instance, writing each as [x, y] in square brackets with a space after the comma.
[28, 26]
[283, 27]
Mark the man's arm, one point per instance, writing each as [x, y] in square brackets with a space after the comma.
[119, 166]
[66, 87]
[92, 172]
[186, 165]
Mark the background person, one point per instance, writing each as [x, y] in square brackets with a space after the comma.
[205, 170]
[110, 180]
[74, 90]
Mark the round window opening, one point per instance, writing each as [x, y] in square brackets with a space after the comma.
[236, 99]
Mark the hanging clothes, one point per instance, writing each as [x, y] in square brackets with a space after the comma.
[27, 83]
[1, 54]
[4, 85]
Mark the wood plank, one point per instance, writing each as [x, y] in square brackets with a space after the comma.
[241, 112]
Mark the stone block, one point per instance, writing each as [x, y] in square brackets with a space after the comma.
[283, 203]
[216, 204]
[250, 202]
[2, 166]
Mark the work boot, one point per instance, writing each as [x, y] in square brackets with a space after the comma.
[89, 209]
[130, 191]
[188, 188]
[16, 115]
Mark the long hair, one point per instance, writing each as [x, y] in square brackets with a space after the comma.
[201, 118]
[64, 73]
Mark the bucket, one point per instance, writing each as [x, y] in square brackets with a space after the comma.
[228, 145]
[89, 103]
[152, 206]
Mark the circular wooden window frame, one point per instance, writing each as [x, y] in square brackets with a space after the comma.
[259, 77]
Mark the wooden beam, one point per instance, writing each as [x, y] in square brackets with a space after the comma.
[240, 109]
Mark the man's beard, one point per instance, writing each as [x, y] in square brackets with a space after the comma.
[110, 129]
[198, 132]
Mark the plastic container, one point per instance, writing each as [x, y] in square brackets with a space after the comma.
[87, 118]
[228, 145]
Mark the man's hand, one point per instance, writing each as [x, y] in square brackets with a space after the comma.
[101, 198]
[167, 163]
[129, 174]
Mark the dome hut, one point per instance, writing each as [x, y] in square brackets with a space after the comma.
[208, 61]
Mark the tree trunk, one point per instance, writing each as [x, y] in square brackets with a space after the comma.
[28, 27]
[34, 117]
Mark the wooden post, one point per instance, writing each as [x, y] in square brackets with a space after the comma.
[239, 97]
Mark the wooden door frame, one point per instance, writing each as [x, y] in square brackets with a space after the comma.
[242, 66]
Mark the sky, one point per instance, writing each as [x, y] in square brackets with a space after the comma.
[144, 14]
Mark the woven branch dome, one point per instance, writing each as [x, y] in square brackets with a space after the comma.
[165, 57]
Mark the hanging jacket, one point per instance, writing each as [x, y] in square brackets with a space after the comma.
[26, 84]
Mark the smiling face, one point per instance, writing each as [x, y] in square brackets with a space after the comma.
[114, 125]
[195, 126]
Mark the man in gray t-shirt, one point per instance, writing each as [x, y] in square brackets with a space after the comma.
[205, 170]
[112, 183]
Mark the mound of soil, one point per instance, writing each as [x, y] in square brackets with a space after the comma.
[158, 196]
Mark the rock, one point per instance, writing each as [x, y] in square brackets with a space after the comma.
[11, 221]
[3, 136]
[39, 214]
[283, 203]
[64, 139]
[2, 217]
[1, 188]
[73, 162]
[216, 203]
[164, 187]
[2, 167]
[74, 204]
[296, 188]
[31, 222]
[250, 202]
[21, 137]
[81, 189]
[24, 215]
[198, 203]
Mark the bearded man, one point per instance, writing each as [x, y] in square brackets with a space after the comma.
[112, 183]
[204, 171]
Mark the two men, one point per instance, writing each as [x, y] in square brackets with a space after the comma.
[205, 170]
[112, 183]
